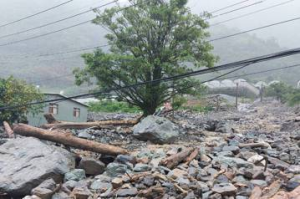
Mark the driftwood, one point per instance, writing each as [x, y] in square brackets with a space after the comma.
[256, 193]
[50, 118]
[175, 159]
[192, 156]
[67, 139]
[85, 125]
[254, 145]
[271, 190]
[8, 130]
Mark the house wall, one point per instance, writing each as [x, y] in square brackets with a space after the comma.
[65, 112]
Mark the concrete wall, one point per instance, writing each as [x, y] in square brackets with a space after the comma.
[65, 112]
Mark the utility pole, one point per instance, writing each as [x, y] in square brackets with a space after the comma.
[236, 95]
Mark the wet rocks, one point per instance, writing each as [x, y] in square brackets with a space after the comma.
[225, 189]
[45, 190]
[115, 169]
[75, 175]
[27, 162]
[156, 129]
[91, 166]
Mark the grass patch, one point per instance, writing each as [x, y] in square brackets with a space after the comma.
[110, 106]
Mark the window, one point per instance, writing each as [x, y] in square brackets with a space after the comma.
[53, 109]
[76, 112]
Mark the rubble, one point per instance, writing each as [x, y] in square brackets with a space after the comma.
[156, 129]
[26, 162]
[250, 158]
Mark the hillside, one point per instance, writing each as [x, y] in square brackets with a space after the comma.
[54, 73]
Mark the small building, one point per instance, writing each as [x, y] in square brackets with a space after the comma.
[64, 109]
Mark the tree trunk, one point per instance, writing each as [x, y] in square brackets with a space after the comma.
[85, 125]
[67, 139]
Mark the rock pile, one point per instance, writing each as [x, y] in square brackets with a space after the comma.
[231, 163]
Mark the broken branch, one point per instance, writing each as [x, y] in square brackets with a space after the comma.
[68, 140]
[175, 159]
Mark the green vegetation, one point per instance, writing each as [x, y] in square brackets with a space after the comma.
[154, 39]
[284, 93]
[198, 108]
[14, 92]
[109, 106]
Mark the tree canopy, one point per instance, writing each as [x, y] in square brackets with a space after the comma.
[15, 92]
[150, 40]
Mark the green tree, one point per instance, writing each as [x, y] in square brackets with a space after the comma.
[15, 92]
[279, 90]
[151, 40]
[294, 97]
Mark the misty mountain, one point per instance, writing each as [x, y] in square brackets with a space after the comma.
[54, 73]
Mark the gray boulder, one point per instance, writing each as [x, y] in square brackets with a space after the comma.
[91, 166]
[26, 162]
[156, 129]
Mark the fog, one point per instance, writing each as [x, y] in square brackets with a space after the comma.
[89, 35]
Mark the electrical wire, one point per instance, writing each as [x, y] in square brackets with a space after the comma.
[58, 21]
[251, 13]
[56, 31]
[237, 9]
[176, 77]
[33, 15]
[224, 8]
[254, 29]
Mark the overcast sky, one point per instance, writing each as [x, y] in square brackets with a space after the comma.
[287, 35]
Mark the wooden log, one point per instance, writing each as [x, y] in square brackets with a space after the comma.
[270, 191]
[8, 130]
[254, 145]
[256, 193]
[85, 125]
[50, 118]
[192, 156]
[173, 160]
[68, 140]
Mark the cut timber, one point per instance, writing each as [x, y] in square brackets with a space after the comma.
[255, 145]
[67, 139]
[175, 159]
[271, 190]
[256, 193]
[85, 125]
[8, 130]
[192, 156]
[50, 118]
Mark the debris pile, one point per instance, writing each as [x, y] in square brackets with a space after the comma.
[234, 162]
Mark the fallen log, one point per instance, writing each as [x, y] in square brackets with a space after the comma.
[50, 118]
[67, 139]
[256, 193]
[255, 145]
[85, 125]
[173, 160]
[270, 191]
[192, 156]
[8, 130]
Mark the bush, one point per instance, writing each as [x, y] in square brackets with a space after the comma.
[110, 106]
[15, 92]
[294, 98]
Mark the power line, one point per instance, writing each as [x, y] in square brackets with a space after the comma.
[265, 71]
[58, 21]
[176, 77]
[237, 9]
[224, 8]
[251, 13]
[38, 13]
[254, 29]
[56, 31]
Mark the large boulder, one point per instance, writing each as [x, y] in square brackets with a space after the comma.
[26, 162]
[156, 129]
